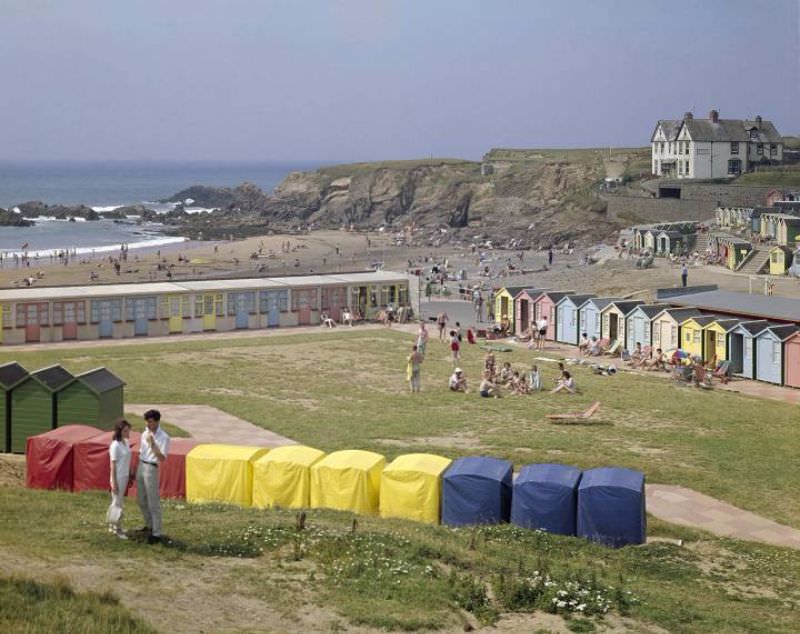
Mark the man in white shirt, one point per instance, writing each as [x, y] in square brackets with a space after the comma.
[153, 450]
[542, 325]
[458, 383]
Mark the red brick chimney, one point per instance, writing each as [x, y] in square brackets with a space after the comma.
[714, 116]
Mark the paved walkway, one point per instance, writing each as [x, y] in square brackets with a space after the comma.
[211, 425]
[678, 505]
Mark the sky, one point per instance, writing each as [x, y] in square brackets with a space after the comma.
[351, 80]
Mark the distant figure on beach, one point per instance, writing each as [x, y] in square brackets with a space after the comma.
[413, 369]
[455, 347]
[550, 256]
[441, 323]
[542, 327]
[684, 275]
[422, 337]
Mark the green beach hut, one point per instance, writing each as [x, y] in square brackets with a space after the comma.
[33, 404]
[93, 398]
[11, 375]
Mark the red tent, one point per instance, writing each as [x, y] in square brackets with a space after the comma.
[49, 456]
[92, 469]
[172, 472]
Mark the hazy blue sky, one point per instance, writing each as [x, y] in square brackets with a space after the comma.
[352, 80]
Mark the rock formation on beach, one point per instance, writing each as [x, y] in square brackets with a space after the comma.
[10, 219]
[36, 209]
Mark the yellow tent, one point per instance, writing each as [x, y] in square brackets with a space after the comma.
[283, 477]
[411, 487]
[221, 473]
[347, 480]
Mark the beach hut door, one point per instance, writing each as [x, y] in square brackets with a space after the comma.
[613, 331]
[303, 306]
[32, 316]
[270, 304]
[211, 306]
[736, 354]
[523, 316]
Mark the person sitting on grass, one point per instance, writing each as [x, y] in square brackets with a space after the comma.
[657, 362]
[519, 385]
[583, 345]
[487, 388]
[637, 356]
[595, 348]
[535, 379]
[505, 374]
[458, 382]
[565, 384]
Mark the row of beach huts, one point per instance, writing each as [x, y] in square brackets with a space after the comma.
[758, 335]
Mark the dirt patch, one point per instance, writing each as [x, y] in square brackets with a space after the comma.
[12, 470]
[466, 440]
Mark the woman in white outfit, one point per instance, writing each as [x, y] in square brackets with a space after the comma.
[120, 453]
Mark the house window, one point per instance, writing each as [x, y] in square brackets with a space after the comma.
[753, 134]
[734, 167]
[760, 149]
[773, 150]
[735, 147]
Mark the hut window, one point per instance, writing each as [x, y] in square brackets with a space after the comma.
[304, 298]
[573, 315]
[748, 346]
[720, 339]
[583, 320]
[7, 316]
[696, 336]
[673, 335]
[402, 295]
[776, 352]
[241, 301]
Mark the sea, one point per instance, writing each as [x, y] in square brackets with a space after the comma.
[109, 184]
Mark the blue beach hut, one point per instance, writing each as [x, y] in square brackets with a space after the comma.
[769, 352]
[589, 315]
[611, 506]
[638, 325]
[476, 490]
[741, 350]
[567, 330]
[546, 497]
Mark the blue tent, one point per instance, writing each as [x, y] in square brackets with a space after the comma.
[545, 497]
[611, 506]
[476, 490]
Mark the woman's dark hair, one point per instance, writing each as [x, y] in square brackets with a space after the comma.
[566, 374]
[119, 427]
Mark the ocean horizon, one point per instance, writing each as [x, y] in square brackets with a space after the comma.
[104, 185]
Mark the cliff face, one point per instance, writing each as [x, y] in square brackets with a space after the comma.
[535, 200]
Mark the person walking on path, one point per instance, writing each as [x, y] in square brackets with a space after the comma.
[428, 291]
[422, 338]
[413, 369]
[684, 275]
[153, 450]
[550, 256]
[120, 454]
[441, 323]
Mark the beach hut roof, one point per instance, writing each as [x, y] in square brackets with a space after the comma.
[679, 314]
[755, 327]
[626, 306]
[702, 320]
[513, 290]
[53, 377]
[781, 332]
[578, 300]
[11, 374]
[601, 302]
[100, 380]
[727, 323]
[650, 310]
[555, 296]
[743, 304]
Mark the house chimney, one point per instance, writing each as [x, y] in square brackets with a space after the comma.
[758, 120]
[688, 116]
[714, 116]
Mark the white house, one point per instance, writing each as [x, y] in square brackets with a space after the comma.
[713, 147]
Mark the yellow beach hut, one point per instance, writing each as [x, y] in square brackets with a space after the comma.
[780, 259]
[715, 338]
[283, 477]
[692, 334]
[504, 304]
[411, 487]
[348, 480]
[221, 473]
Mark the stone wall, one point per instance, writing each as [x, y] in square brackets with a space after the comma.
[631, 210]
[727, 195]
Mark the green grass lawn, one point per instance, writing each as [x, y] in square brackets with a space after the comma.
[346, 389]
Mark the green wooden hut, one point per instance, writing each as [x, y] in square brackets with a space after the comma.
[33, 404]
[93, 398]
[11, 375]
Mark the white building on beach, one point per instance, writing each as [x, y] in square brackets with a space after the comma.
[713, 147]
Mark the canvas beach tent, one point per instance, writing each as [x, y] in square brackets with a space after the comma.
[411, 487]
[49, 457]
[92, 462]
[476, 490]
[282, 477]
[221, 473]
[546, 498]
[348, 480]
[611, 506]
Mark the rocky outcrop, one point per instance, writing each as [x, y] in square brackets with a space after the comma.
[10, 219]
[121, 213]
[36, 209]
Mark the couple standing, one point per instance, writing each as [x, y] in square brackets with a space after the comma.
[153, 450]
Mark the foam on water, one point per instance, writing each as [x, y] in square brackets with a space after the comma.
[107, 248]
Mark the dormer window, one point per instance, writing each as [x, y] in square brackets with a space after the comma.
[735, 147]
[753, 133]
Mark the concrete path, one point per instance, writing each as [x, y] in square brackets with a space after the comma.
[211, 425]
[679, 505]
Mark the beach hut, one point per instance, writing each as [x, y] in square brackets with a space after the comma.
[282, 477]
[11, 375]
[523, 309]
[93, 398]
[589, 315]
[171, 472]
[780, 259]
[567, 318]
[741, 349]
[613, 319]
[476, 490]
[371, 292]
[221, 473]
[692, 334]
[638, 325]
[546, 497]
[791, 360]
[91, 462]
[649, 240]
[504, 304]
[669, 242]
[611, 507]
[769, 345]
[715, 338]
[545, 306]
[348, 480]
[49, 458]
[411, 487]
[665, 327]
[34, 405]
